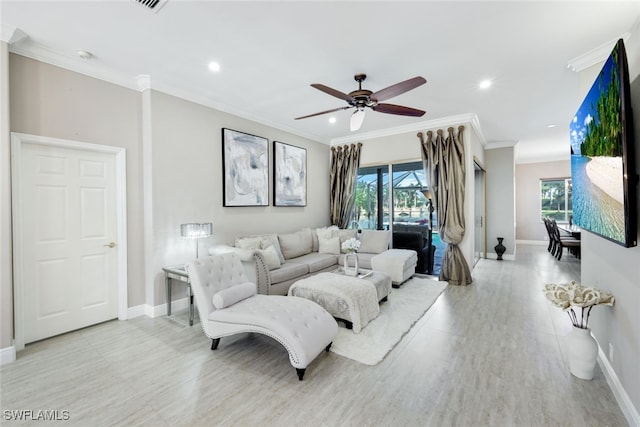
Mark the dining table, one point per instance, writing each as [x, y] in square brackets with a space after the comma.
[572, 229]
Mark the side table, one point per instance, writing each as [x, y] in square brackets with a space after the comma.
[178, 272]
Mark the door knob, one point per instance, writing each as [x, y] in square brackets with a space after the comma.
[111, 245]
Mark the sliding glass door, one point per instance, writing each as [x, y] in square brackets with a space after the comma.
[372, 198]
[401, 203]
[410, 202]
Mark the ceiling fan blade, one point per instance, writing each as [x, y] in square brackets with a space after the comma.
[324, 112]
[332, 92]
[397, 89]
[398, 110]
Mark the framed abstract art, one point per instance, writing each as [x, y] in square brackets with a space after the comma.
[245, 169]
[289, 175]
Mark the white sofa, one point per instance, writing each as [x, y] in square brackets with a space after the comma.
[275, 261]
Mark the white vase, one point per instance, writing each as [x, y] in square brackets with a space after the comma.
[348, 270]
[583, 351]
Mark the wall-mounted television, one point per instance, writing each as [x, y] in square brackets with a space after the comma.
[603, 170]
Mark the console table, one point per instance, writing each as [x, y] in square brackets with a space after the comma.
[178, 272]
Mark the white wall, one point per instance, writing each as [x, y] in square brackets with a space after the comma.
[500, 164]
[617, 269]
[187, 183]
[529, 227]
[6, 267]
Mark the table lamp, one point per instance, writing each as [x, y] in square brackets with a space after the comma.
[196, 230]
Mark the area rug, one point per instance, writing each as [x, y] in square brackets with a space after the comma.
[397, 315]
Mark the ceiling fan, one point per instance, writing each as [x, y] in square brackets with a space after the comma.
[363, 98]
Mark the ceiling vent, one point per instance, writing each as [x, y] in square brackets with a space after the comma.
[152, 5]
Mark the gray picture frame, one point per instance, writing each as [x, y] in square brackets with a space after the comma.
[245, 169]
[289, 175]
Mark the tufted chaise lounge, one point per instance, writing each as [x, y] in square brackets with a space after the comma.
[301, 326]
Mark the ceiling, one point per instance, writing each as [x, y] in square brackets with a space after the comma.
[270, 53]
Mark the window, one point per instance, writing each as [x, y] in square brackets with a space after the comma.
[409, 205]
[371, 192]
[555, 199]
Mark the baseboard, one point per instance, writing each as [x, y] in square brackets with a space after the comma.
[7, 355]
[533, 242]
[506, 257]
[629, 411]
[137, 311]
[157, 310]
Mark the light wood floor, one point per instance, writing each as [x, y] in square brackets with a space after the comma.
[490, 354]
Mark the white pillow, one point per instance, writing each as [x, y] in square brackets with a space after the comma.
[374, 241]
[271, 257]
[272, 240]
[236, 293]
[248, 242]
[326, 232]
[329, 246]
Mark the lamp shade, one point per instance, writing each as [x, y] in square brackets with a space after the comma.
[356, 120]
[196, 230]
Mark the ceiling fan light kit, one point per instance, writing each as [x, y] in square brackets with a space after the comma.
[363, 98]
[356, 120]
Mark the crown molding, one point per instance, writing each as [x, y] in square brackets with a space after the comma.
[596, 55]
[471, 118]
[10, 34]
[206, 102]
[88, 67]
[143, 81]
[500, 144]
[554, 157]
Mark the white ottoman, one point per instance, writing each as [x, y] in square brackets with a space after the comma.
[347, 298]
[399, 264]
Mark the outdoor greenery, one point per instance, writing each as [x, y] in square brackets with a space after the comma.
[555, 199]
[603, 136]
[409, 204]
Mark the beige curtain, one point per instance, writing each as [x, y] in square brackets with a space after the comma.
[345, 161]
[443, 161]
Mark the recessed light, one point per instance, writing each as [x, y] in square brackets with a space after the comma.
[485, 84]
[84, 54]
[214, 66]
[551, 125]
[332, 120]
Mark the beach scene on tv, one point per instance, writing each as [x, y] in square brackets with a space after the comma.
[596, 157]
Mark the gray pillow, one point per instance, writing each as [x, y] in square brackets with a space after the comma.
[374, 241]
[295, 244]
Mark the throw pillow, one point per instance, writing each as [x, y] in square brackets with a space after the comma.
[272, 240]
[322, 233]
[295, 244]
[236, 293]
[271, 257]
[329, 246]
[374, 241]
[249, 242]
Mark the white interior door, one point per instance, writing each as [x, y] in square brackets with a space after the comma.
[68, 244]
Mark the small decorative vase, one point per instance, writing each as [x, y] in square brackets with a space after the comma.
[499, 248]
[348, 270]
[583, 351]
